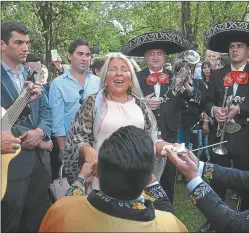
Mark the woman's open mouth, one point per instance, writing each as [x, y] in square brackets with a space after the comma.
[118, 82]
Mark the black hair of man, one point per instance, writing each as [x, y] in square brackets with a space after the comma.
[97, 64]
[125, 164]
[8, 27]
[32, 58]
[77, 43]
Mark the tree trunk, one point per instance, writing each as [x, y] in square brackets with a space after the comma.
[196, 19]
[42, 12]
[186, 24]
[50, 33]
[183, 19]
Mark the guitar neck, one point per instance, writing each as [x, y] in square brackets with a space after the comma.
[12, 114]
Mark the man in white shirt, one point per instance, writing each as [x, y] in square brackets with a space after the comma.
[232, 37]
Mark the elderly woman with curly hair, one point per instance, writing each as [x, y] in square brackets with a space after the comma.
[119, 103]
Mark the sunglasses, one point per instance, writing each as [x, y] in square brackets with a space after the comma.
[81, 93]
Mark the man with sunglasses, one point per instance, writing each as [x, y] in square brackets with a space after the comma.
[68, 91]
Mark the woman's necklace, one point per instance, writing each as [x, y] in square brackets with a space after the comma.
[125, 101]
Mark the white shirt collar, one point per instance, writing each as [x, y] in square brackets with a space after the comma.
[152, 72]
[20, 68]
[240, 69]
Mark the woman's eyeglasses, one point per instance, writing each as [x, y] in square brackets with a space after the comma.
[81, 93]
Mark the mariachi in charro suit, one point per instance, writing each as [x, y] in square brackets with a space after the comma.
[221, 217]
[26, 199]
[168, 117]
[237, 146]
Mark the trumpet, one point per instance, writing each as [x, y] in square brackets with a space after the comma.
[230, 127]
[179, 80]
[189, 57]
[222, 127]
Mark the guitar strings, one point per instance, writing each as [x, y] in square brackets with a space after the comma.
[12, 115]
[14, 111]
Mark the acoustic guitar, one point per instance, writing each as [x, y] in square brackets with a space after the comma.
[8, 119]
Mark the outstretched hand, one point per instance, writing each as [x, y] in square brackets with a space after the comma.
[187, 163]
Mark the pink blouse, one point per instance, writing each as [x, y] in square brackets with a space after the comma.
[119, 115]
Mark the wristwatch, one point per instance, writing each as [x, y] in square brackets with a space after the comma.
[81, 180]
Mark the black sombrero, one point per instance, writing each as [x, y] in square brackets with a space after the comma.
[170, 41]
[219, 36]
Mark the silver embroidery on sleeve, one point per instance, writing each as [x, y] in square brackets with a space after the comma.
[208, 172]
[200, 192]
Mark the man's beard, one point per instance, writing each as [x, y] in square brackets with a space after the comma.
[82, 70]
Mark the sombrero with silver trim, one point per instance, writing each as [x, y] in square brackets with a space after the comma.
[170, 41]
[219, 36]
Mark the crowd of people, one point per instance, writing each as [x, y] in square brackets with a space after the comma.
[115, 130]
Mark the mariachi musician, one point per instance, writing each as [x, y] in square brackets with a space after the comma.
[231, 37]
[155, 81]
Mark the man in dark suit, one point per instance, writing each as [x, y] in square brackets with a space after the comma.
[232, 37]
[199, 174]
[154, 47]
[26, 199]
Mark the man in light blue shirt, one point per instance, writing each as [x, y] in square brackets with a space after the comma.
[68, 91]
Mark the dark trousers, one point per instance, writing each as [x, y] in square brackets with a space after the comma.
[238, 151]
[168, 177]
[26, 200]
[55, 160]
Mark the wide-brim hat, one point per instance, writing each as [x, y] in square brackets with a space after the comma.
[219, 36]
[170, 41]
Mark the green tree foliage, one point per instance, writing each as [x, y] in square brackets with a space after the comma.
[54, 25]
